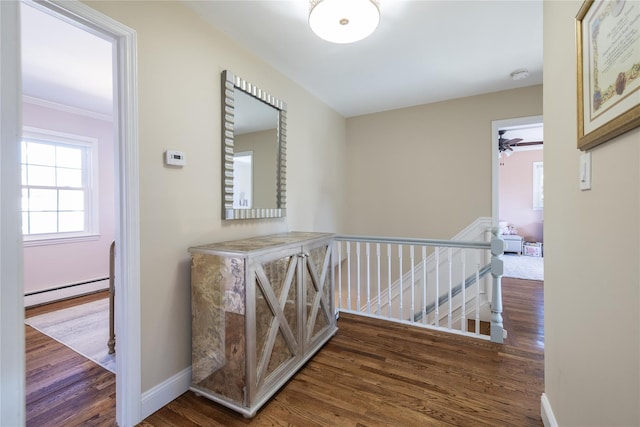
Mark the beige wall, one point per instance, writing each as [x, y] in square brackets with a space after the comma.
[592, 253]
[180, 59]
[592, 342]
[425, 171]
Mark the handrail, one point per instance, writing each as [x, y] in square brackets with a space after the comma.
[495, 267]
[418, 242]
[454, 292]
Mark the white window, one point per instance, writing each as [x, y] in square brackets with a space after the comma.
[59, 186]
[538, 186]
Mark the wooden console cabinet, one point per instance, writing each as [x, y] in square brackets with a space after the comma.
[261, 308]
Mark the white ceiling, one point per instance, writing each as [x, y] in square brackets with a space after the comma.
[422, 52]
[65, 64]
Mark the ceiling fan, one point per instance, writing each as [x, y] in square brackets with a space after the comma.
[506, 144]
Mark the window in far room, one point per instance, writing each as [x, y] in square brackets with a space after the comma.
[59, 182]
[538, 186]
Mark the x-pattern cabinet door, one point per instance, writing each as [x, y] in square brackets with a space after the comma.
[318, 299]
[277, 332]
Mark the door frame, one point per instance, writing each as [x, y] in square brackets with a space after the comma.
[496, 125]
[127, 235]
[12, 364]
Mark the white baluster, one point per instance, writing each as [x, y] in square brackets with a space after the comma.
[463, 316]
[450, 263]
[379, 312]
[349, 275]
[424, 285]
[389, 276]
[339, 250]
[368, 253]
[478, 298]
[436, 320]
[359, 307]
[413, 281]
[401, 316]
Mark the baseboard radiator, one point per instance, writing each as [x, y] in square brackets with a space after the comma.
[62, 292]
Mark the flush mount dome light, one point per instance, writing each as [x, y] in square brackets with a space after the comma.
[344, 21]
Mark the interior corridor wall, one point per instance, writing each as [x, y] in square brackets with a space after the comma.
[180, 60]
[592, 253]
[425, 171]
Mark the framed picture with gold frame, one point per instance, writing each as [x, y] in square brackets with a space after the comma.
[608, 48]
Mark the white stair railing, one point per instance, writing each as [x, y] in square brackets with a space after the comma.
[437, 284]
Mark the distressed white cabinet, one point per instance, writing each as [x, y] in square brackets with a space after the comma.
[261, 308]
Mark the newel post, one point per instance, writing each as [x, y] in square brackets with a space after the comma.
[497, 269]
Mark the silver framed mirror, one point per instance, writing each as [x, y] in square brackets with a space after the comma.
[254, 134]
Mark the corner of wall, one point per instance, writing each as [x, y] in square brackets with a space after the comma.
[160, 395]
[548, 418]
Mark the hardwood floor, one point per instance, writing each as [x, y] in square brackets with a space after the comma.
[371, 373]
[378, 373]
[62, 387]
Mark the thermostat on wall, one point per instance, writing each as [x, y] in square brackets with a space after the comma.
[174, 158]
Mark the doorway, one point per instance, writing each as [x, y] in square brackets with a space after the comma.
[68, 193]
[126, 234]
[67, 151]
[518, 196]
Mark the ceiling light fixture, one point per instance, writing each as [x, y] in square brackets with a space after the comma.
[344, 21]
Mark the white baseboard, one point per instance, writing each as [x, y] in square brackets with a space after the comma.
[548, 419]
[168, 390]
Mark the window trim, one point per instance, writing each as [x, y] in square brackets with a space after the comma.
[248, 186]
[93, 201]
[538, 194]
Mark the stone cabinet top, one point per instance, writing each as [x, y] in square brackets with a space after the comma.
[257, 244]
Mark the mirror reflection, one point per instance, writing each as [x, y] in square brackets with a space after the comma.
[243, 180]
[255, 153]
[253, 145]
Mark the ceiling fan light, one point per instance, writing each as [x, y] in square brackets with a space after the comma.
[344, 21]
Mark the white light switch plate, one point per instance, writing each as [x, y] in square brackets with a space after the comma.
[585, 171]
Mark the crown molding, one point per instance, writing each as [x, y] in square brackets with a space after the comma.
[66, 108]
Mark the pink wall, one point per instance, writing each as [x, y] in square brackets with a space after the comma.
[516, 194]
[57, 265]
